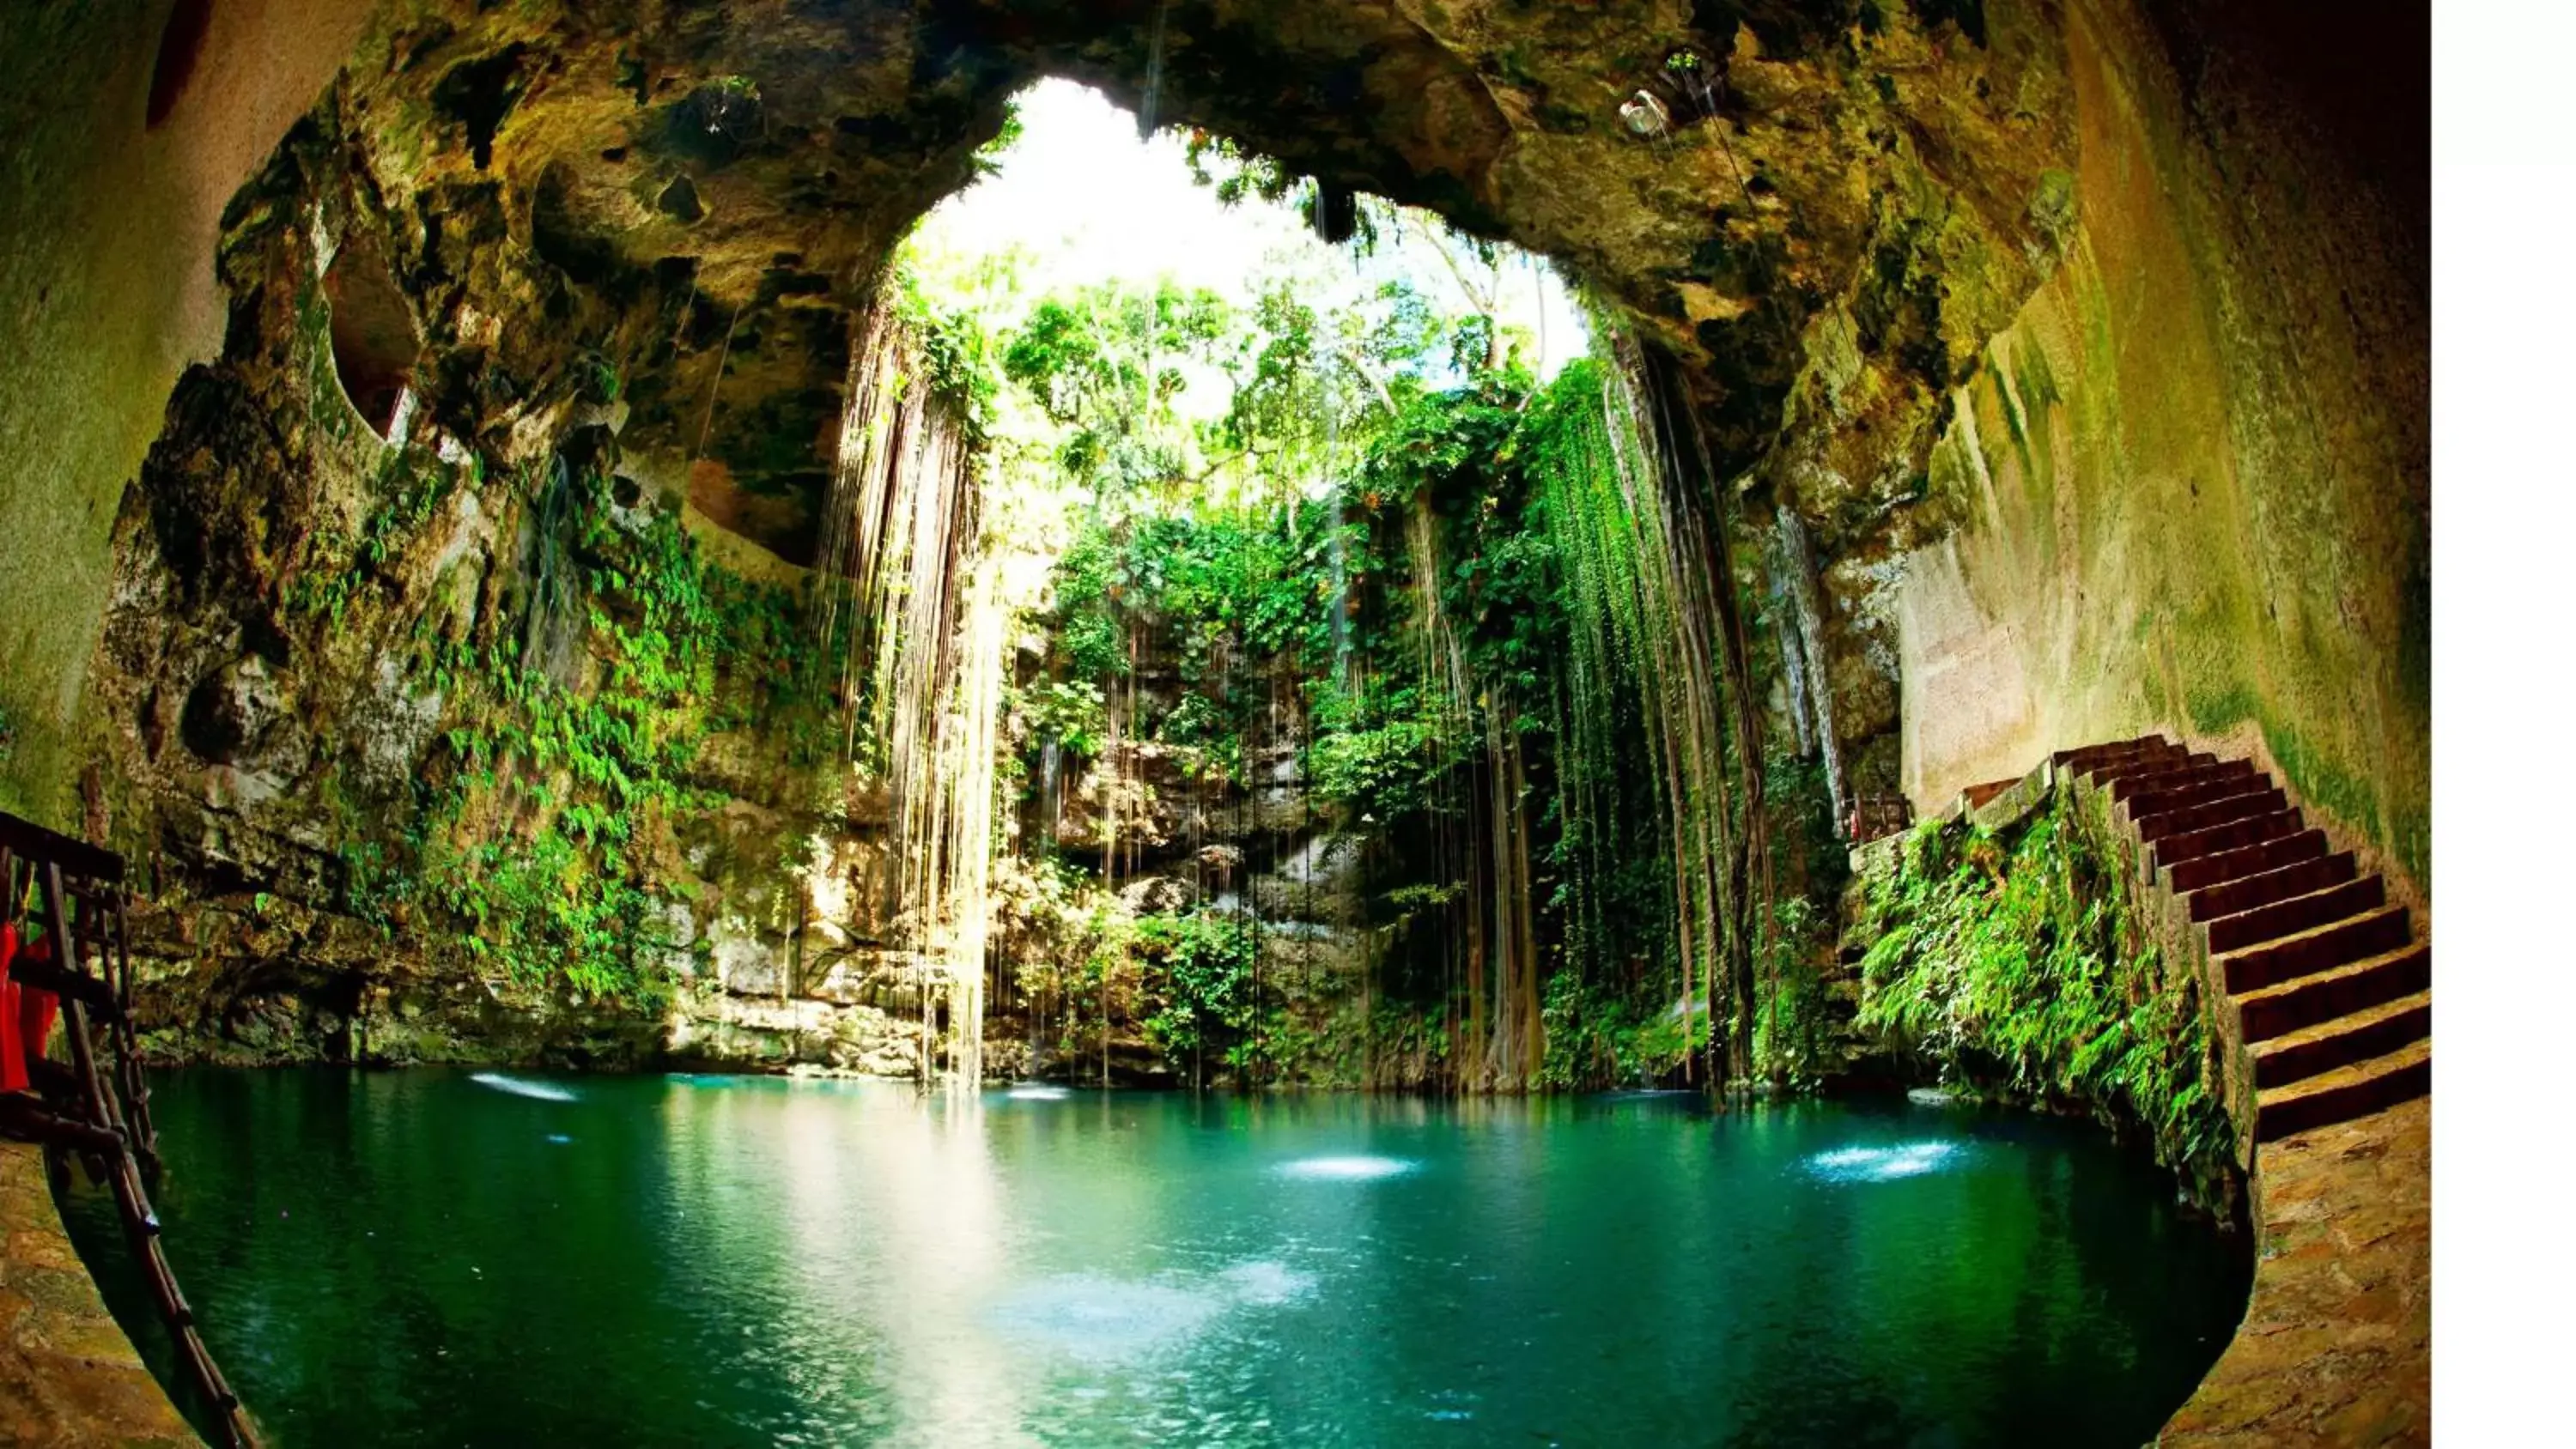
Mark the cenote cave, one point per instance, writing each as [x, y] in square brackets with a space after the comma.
[995, 722]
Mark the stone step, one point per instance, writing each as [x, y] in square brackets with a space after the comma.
[1978, 795]
[2173, 850]
[2247, 892]
[2154, 749]
[2227, 865]
[2308, 1000]
[2313, 1051]
[2290, 917]
[2190, 774]
[2112, 774]
[2145, 807]
[2088, 756]
[2345, 1093]
[2319, 948]
[2170, 830]
[2154, 762]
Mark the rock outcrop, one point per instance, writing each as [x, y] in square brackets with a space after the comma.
[632, 238]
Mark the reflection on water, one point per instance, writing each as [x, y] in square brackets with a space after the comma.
[1883, 1164]
[521, 1087]
[431, 1258]
[1102, 1318]
[1354, 1167]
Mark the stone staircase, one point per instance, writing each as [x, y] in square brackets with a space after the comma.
[2326, 988]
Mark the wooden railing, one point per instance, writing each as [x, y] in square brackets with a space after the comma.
[63, 947]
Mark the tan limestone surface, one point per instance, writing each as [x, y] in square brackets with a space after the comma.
[68, 1374]
[2337, 1344]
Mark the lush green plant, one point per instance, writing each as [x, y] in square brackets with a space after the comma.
[2018, 963]
[1199, 969]
[410, 486]
[1420, 613]
[1599, 1036]
[536, 828]
[1070, 712]
[1105, 366]
[958, 356]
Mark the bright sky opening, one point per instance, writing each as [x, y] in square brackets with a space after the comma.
[1084, 199]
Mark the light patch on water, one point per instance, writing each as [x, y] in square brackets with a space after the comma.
[557, 1138]
[1104, 1320]
[1451, 1406]
[1929, 1097]
[1115, 1320]
[1263, 1282]
[1356, 1167]
[521, 1087]
[1039, 1093]
[1883, 1164]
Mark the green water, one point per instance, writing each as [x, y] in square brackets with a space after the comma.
[430, 1258]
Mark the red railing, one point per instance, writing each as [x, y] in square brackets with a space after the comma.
[63, 952]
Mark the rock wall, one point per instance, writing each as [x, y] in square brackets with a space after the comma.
[2193, 474]
[1832, 206]
[310, 716]
[2142, 270]
[128, 127]
[1161, 836]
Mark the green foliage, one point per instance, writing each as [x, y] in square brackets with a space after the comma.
[1387, 768]
[1234, 173]
[409, 488]
[1444, 586]
[1199, 971]
[2018, 963]
[1071, 712]
[598, 378]
[537, 829]
[1792, 1031]
[1106, 364]
[956, 352]
[988, 157]
[1419, 612]
[1598, 1035]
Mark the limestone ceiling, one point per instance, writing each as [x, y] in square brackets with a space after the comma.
[1843, 200]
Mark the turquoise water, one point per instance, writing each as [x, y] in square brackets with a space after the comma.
[445, 1258]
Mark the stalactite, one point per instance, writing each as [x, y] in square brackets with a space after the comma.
[1701, 494]
[1802, 647]
[1501, 1024]
[1647, 635]
[1718, 710]
[905, 589]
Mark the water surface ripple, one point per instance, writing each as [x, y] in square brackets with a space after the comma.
[444, 1258]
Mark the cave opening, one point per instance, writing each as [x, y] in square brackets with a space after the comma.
[174, 64]
[375, 344]
[1181, 372]
[1431, 593]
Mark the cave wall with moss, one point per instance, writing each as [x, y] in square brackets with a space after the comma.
[2085, 341]
[2192, 476]
[437, 734]
[708, 187]
[126, 137]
